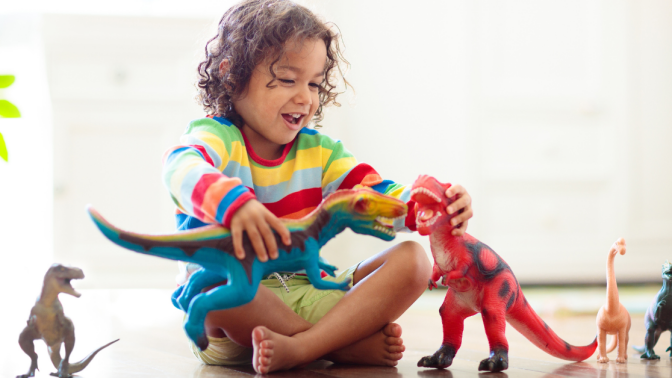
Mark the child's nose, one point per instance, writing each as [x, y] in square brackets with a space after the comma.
[303, 96]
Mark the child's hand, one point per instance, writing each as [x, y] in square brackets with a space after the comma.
[257, 221]
[461, 207]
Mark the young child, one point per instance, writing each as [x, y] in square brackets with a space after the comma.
[268, 73]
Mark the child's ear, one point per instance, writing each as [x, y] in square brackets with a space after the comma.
[223, 67]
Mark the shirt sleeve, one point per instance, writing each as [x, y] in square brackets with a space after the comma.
[192, 172]
[342, 171]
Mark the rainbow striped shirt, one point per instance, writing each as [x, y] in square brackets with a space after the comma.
[215, 171]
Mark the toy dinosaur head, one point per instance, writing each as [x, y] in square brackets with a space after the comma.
[430, 204]
[366, 211]
[58, 279]
[667, 271]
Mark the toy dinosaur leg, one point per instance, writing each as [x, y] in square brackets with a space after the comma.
[26, 338]
[69, 341]
[622, 355]
[602, 345]
[198, 281]
[330, 269]
[650, 340]
[494, 320]
[313, 273]
[238, 291]
[55, 354]
[453, 313]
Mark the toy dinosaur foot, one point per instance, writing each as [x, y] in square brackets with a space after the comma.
[441, 359]
[498, 361]
[31, 371]
[60, 376]
[669, 349]
[649, 355]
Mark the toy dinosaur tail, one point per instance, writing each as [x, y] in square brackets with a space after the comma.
[523, 318]
[79, 366]
[175, 246]
[639, 349]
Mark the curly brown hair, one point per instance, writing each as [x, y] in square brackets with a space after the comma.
[253, 31]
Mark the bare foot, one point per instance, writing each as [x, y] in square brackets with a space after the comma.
[383, 348]
[273, 351]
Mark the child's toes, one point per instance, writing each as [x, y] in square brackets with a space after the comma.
[394, 341]
[396, 348]
[266, 352]
[392, 330]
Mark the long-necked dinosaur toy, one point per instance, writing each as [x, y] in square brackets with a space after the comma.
[363, 210]
[48, 322]
[478, 280]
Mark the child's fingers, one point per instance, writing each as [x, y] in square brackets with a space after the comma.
[257, 242]
[454, 190]
[461, 203]
[269, 239]
[459, 231]
[462, 217]
[281, 229]
[237, 236]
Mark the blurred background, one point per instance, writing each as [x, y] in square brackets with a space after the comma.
[556, 116]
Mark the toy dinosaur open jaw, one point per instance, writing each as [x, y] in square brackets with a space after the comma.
[424, 196]
[667, 271]
[67, 288]
[62, 275]
[427, 217]
[385, 225]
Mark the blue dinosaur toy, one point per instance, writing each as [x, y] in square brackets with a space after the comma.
[363, 210]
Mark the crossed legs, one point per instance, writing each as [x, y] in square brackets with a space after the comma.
[358, 329]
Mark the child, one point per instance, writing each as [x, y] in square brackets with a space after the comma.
[267, 75]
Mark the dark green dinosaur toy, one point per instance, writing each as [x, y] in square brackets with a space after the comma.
[48, 322]
[363, 210]
[658, 317]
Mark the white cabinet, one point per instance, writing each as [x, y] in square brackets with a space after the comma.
[122, 92]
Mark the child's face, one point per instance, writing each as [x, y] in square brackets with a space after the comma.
[274, 116]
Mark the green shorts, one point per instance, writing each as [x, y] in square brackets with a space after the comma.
[303, 298]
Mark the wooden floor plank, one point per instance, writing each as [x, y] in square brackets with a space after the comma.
[153, 344]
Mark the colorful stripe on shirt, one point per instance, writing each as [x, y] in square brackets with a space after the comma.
[215, 171]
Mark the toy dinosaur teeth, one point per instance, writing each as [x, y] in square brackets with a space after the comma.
[385, 221]
[418, 194]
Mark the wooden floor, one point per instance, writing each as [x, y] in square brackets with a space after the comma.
[153, 343]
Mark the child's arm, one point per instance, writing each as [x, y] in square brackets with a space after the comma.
[193, 174]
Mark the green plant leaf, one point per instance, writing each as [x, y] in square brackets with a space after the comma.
[6, 80]
[3, 149]
[8, 110]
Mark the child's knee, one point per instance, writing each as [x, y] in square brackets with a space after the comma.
[414, 262]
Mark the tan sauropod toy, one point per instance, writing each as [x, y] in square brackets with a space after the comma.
[613, 318]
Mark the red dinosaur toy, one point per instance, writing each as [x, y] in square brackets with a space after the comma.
[479, 281]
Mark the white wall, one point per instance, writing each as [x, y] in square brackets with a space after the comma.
[553, 114]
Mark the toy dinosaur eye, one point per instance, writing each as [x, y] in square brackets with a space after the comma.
[362, 205]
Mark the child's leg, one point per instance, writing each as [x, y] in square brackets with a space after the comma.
[384, 287]
[265, 309]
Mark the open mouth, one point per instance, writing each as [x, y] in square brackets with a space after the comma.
[385, 225]
[426, 218]
[67, 286]
[293, 118]
[424, 196]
